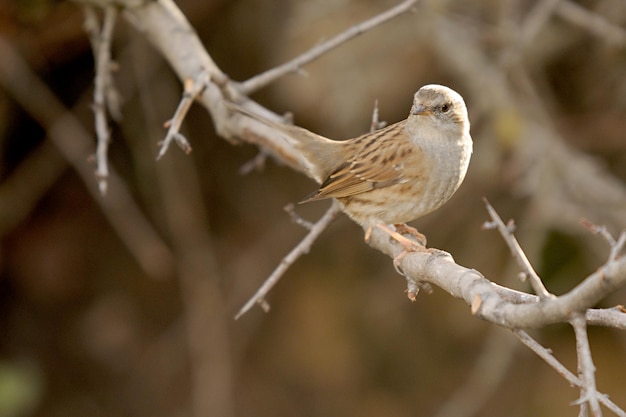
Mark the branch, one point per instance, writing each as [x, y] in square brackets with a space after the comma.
[547, 356]
[74, 142]
[192, 89]
[259, 81]
[101, 45]
[616, 245]
[300, 249]
[484, 298]
[586, 368]
[594, 23]
[516, 250]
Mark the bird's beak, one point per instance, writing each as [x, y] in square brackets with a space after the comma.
[418, 109]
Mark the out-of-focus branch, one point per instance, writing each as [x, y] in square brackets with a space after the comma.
[594, 23]
[488, 372]
[28, 183]
[75, 143]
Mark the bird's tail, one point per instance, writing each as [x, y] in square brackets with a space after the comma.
[320, 155]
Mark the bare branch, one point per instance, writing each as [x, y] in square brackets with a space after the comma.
[259, 81]
[483, 296]
[507, 233]
[255, 164]
[300, 249]
[297, 219]
[616, 245]
[109, 92]
[549, 358]
[101, 44]
[586, 369]
[193, 88]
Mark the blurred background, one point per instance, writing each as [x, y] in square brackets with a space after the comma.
[123, 305]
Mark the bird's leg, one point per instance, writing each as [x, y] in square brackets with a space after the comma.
[409, 245]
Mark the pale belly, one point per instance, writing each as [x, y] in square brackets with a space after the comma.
[399, 203]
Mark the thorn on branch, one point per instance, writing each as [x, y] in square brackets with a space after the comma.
[476, 303]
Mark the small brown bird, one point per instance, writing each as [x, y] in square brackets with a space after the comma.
[396, 174]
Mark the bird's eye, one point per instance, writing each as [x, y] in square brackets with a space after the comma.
[445, 107]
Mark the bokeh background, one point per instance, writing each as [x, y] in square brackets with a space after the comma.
[123, 305]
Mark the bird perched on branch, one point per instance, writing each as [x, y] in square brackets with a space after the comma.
[393, 175]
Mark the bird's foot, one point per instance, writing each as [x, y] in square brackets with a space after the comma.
[397, 233]
[409, 245]
[404, 229]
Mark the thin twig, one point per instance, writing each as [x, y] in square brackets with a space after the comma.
[192, 89]
[586, 369]
[101, 44]
[300, 249]
[376, 123]
[617, 248]
[516, 250]
[259, 81]
[617, 245]
[549, 358]
[296, 218]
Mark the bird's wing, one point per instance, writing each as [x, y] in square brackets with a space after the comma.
[376, 163]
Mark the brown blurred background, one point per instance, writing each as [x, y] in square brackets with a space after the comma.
[97, 320]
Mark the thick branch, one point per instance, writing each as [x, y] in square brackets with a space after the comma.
[480, 293]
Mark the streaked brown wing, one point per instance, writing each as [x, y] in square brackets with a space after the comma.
[376, 164]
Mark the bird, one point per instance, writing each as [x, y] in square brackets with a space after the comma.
[393, 175]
